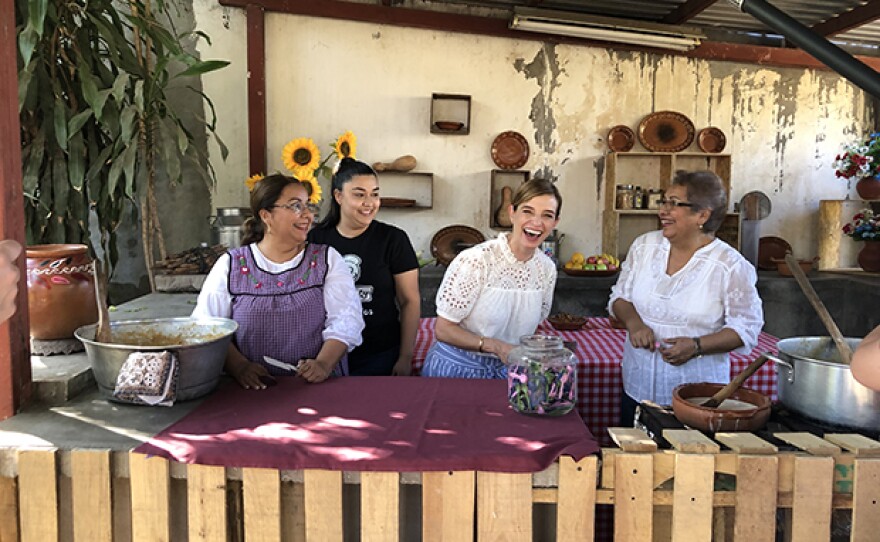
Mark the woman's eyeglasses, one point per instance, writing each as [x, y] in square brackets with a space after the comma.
[298, 207]
[668, 204]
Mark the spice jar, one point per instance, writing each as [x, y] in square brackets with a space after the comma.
[624, 199]
[654, 197]
[638, 198]
[542, 376]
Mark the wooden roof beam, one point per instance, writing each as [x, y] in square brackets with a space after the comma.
[687, 11]
[853, 18]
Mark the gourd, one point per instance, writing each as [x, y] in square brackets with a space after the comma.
[403, 164]
[502, 217]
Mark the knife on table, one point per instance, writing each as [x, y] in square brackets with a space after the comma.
[280, 364]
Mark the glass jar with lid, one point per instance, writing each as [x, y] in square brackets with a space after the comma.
[542, 376]
[624, 196]
[654, 197]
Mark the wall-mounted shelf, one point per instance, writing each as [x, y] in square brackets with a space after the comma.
[415, 185]
[451, 109]
[501, 179]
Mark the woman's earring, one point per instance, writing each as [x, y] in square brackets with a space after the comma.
[701, 227]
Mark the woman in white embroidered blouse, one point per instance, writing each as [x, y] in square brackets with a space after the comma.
[686, 298]
[497, 291]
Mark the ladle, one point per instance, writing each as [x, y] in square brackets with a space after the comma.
[735, 384]
[824, 315]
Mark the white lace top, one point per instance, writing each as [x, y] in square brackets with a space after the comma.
[492, 294]
[713, 291]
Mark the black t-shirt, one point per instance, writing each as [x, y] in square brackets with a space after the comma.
[373, 258]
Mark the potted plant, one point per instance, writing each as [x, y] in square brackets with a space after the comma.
[97, 125]
[865, 226]
[861, 160]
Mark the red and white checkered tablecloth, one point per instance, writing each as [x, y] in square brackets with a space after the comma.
[599, 351]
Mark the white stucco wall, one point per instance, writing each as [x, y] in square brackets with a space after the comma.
[784, 125]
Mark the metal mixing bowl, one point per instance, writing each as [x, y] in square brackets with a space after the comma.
[200, 356]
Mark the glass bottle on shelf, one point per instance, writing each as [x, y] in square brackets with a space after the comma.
[542, 376]
[638, 198]
[624, 196]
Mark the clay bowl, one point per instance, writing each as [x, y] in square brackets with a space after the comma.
[567, 322]
[719, 419]
[782, 266]
[448, 125]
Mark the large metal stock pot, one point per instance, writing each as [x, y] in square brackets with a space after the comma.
[815, 383]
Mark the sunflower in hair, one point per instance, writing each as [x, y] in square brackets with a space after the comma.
[346, 146]
[301, 156]
[252, 181]
[316, 193]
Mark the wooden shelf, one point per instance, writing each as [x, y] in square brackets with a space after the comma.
[416, 185]
[620, 227]
[450, 108]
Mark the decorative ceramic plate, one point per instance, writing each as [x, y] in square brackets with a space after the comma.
[769, 248]
[666, 131]
[711, 139]
[449, 241]
[510, 150]
[588, 273]
[621, 138]
[397, 202]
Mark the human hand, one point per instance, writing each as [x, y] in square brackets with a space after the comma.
[642, 336]
[502, 350]
[252, 376]
[9, 275]
[313, 370]
[403, 367]
[679, 350]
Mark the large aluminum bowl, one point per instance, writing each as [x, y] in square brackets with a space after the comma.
[200, 354]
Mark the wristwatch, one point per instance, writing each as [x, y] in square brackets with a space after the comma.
[699, 351]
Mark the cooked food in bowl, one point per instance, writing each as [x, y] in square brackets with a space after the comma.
[564, 321]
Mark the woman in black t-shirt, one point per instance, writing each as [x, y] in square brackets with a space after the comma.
[383, 265]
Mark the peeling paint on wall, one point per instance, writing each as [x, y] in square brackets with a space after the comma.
[545, 70]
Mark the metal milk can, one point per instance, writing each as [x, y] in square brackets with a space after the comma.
[551, 245]
[227, 225]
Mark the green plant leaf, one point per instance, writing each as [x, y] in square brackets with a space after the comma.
[27, 42]
[202, 67]
[24, 81]
[59, 114]
[128, 162]
[76, 166]
[120, 85]
[113, 176]
[127, 121]
[33, 164]
[76, 122]
[37, 14]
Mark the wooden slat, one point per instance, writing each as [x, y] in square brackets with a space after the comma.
[261, 490]
[746, 443]
[37, 495]
[8, 509]
[206, 502]
[149, 498]
[692, 497]
[690, 441]
[576, 509]
[90, 486]
[448, 506]
[380, 506]
[630, 439]
[860, 445]
[811, 503]
[504, 507]
[866, 501]
[809, 443]
[323, 501]
[756, 490]
[633, 517]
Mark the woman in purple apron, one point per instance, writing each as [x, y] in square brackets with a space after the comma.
[294, 301]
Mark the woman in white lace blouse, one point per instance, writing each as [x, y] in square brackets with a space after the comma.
[497, 291]
[687, 299]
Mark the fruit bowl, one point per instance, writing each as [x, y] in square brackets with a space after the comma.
[567, 322]
[590, 272]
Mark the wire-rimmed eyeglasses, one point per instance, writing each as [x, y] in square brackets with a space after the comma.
[298, 207]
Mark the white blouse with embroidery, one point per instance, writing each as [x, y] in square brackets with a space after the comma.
[714, 290]
[492, 294]
[344, 320]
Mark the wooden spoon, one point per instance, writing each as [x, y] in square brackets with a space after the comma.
[735, 384]
[842, 346]
[102, 333]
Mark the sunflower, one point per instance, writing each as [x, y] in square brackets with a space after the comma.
[346, 146]
[300, 156]
[316, 193]
[252, 181]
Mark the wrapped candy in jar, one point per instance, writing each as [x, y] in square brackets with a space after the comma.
[542, 376]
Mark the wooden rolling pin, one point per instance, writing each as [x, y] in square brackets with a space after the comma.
[404, 163]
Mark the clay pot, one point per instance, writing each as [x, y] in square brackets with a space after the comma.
[869, 256]
[868, 188]
[61, 290]
[718, 419]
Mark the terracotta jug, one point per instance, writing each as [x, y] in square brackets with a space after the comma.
[502, 216]
[868, 188]
[869, 256]
[61, 290]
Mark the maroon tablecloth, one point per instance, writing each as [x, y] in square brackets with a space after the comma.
[371, 424]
